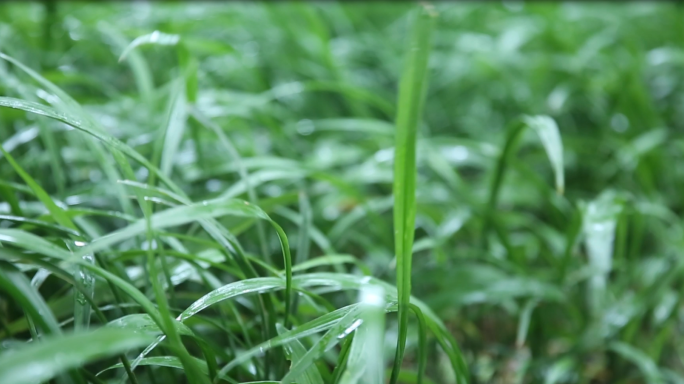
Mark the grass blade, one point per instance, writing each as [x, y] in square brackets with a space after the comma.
[58, 354]
[175, 127]
[366, 363]
[156, 37]
[600, 219]
[160, 361]
[296, 351]
[549, 135]
[412, 89]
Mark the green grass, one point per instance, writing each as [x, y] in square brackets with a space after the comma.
[341, 193]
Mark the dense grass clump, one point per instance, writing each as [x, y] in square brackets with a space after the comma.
[341, 193]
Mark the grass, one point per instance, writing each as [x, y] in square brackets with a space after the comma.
[341, 193]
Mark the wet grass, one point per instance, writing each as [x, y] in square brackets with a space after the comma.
[341, 193]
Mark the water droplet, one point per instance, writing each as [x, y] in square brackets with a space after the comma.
[305, 127]
[213, 185]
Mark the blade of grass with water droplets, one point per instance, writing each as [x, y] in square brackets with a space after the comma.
[412, 89]
[339, 330]
[159, 361]
[40, 362]
[340, 281]
[178, 216]
[325, 260]
[296, 351]
[85, 280]
[256, 285]
[319, 324]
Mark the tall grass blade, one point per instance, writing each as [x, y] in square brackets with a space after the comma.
[412, 89]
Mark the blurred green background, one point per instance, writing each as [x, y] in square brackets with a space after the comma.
[306, 92]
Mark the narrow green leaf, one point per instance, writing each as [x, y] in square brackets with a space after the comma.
[342, 328]
[175, 127]
[600, 219]
[156, 37]
[296, 351]
[161, 361]
[57, 212]
[13, 282]
[412, 89]
[42, 361]
[549, 135]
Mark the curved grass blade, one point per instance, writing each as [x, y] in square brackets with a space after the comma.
[422, 343]
[141, 323]
[57, 213]
[256, 285]
[156, 37]
[14, 283]
[178, 216]
[412, 89]
[42, 361]
[325, 260]
[548, 133]
[141, 70]
[161, 361]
